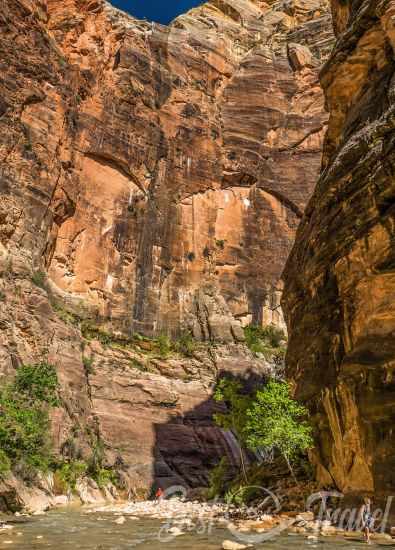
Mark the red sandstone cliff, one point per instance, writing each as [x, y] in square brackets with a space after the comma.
[157, 176]
[340, 279]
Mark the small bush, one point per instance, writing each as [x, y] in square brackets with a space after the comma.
[136, 364]
[38, 278]
[38, 383]
[5, 463]
[66, 316]
[88, 365]
[96, 469]
[164, 346]
[24, 429]
[273, 335]
[24, 418]
[242, 495]
[69, 473]
[104, 476]
[217, 478]
[186, 344]
[90, 331]
[2, 296]
[266, 340]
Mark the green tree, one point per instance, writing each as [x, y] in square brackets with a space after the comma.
[235, 417]
[275, 420]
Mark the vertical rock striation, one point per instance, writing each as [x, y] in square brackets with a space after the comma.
[151, 180]
[210, 132]
[340, 278]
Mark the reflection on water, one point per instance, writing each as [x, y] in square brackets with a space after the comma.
[73, 529]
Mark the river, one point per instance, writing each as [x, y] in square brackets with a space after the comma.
[75, 530]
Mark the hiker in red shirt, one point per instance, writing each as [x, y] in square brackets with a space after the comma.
[159, 493]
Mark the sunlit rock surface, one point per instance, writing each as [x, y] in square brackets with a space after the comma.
[157, 175]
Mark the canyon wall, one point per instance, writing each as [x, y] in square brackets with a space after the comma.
[340, 278]
[187, 155]
[152, 179]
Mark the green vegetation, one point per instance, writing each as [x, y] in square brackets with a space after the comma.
[38, 383]
[220, 243]
[24, 419]
[90, 331]
[164, 345]
[240, 494]
[25, 445]
[5, 463]
[217, 478]
[96, 469]
[38, 278]
[266, 420]
[136, 364]
[104, 476]
[66, 316]
[88, 365]
[2, 296]
[274, 420]
[68, 473]
[269, 340]
[186, 344]
[235, 417]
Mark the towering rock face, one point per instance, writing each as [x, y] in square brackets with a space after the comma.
[181, 159]
[152, 180]
[340, 278]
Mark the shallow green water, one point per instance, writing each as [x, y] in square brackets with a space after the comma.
[72, 529]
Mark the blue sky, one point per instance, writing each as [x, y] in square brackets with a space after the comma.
[161, 11]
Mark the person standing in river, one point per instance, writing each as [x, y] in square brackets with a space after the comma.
[367, 519]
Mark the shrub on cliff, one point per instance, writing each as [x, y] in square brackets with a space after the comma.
[68, 473]
[5, 463]
[38, 383]
[186, 344]
[164, 346]
[24, 418]
[269, 340]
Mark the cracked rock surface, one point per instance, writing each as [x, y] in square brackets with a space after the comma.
[151, 180]
[340, 278]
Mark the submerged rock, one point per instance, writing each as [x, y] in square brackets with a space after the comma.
[230, 545]
[120, 521]
[175, 531]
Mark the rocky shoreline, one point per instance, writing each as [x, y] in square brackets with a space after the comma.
[181, 517]
[247, 526]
